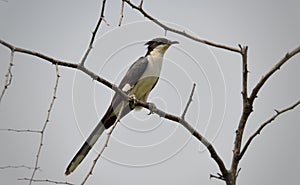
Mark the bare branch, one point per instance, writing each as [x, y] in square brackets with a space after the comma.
[105, 144]
[46, 181]
[94, 34]
[271, 72]
[258, 131]
[193, 131]
[39, 55]
[121, 13]
[247, 109]
[44, 126]
[17, 166]
[141, 4]
[21, 130]
[183, 33]
[8, 75]
[248, 102]
[189, 102]
[244, 53]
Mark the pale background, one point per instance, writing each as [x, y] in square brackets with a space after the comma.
[146, 149]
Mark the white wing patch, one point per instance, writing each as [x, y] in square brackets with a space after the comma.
[126, 88]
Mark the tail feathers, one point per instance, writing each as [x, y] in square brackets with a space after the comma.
[86, 147]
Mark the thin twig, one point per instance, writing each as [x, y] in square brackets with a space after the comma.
[21, 130]
[94, 34]
[121, 13]
[17, 166]
[46, 180]
[141, 4]
[105, 144]
[189, 102]
[8, 75]
[183, 33]
[45, 125]
[258, 131]
[271, 72]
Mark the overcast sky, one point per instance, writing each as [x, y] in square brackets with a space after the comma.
[147, 149]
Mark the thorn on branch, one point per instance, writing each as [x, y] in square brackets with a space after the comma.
[218, 176]
[238, 172]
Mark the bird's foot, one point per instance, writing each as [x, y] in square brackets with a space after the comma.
[152, 108]
[132, 101]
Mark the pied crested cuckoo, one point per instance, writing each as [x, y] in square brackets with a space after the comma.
[139, 80]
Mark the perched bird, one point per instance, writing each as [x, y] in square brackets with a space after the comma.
[139, 80]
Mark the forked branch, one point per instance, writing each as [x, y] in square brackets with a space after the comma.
[270, 120]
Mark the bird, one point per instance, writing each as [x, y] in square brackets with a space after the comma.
[141, 77]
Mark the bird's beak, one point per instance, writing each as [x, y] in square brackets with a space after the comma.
[174, 42]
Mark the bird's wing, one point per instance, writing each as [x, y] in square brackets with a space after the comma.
[132, 76]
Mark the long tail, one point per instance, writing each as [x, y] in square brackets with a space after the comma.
[86, 147]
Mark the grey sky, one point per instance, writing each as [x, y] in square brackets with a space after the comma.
[146, 149]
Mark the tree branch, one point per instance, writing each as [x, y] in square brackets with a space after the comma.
[247, 109]
[194, 132]
[248, 102]
[46, 181]
[258, 131]
[17, 166]
[121, 13]
[94, 34]
[8, 75]
[244, 53]
[271, 72]
[189, 102]
[183, 33]
[21, 130]
[44, 126]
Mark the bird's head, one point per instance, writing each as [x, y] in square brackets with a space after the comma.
[158, 46]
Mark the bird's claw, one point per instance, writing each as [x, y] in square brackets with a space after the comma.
[132, 101]
[152, 108]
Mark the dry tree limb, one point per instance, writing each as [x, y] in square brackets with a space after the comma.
[90, 47]
[20, 130]
[121, 13]
[44, 126]
[16, 166]
[276, 67]
[46, 181]
[263, 125]
[248, 102]
[8, 75]
[188, 102]
[183, 33]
